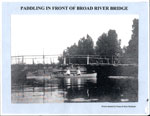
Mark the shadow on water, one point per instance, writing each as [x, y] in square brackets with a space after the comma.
[100, 89]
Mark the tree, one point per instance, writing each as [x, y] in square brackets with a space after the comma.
[86, 46]
[108, 45]
[132, 48]
[72, 50]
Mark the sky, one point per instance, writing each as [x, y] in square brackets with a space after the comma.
[33, 34]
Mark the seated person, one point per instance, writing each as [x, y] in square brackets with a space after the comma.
[68, 72]
[78, 71]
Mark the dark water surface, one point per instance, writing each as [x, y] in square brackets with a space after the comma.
[59, 90]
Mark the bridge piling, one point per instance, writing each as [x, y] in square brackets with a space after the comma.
[88, 59]
[64, 60]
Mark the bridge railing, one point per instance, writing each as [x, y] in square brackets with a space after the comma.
[96, 59]
[71, 59]
[35, 59]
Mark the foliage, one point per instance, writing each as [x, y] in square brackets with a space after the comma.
[108, 45]
[85, 46]
[72, 50]
[132, 49]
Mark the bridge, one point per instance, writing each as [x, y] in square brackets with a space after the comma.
[71, 59]
[35, 59]
[104, 66]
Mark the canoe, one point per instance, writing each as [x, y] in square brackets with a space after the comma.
[59, 74]
[86, 75]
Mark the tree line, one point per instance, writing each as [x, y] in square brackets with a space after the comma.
[107, 45]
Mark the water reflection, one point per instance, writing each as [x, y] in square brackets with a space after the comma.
[79, 90]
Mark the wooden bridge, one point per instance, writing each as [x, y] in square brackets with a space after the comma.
[34, 59]
[104, 66]
[70, 59]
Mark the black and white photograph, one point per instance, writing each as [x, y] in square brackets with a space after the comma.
[74, 58]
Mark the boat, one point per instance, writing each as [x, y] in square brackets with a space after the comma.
[59, 73]
[73, 75]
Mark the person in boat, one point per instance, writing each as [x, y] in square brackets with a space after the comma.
[78, 71]
[68, 72]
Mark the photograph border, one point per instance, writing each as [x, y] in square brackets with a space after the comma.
[8, 108]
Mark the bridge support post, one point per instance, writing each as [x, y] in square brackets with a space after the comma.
[64, 60]
[112, 60]
[108, 60]
[22, 59]
[88, 59]
[33, 61]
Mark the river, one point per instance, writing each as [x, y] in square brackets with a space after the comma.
[78, 90]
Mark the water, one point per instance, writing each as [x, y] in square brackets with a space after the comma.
[110, 89]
